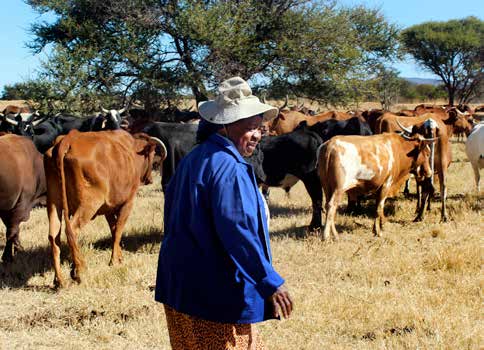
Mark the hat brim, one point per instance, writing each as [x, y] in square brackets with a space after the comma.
[213, 113]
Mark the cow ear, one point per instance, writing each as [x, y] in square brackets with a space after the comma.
[146, 148]
[281, 116]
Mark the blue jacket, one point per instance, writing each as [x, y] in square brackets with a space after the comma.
[215, 259]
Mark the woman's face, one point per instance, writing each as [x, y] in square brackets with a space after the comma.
[245, 134]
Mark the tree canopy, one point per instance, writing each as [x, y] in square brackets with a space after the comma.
[155, 50]
[453, 50]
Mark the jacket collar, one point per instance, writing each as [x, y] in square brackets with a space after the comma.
[227, 145]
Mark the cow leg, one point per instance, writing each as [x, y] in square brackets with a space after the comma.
[380, 214]
[116, 224]
[354, 206]
[80, 218]
[477, 176]
[54, 213]
[430, 197]
[419, 198]
[443, 197]
[12, 245]
[332, 203]
[265, 192]
[426, 191]
[315, 191]
[406, 190]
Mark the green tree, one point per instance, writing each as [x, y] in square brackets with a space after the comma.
[453, 50]
[387, 87]
[37, 91]
[156, 49]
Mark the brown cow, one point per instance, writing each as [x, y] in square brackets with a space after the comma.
[368, 164]
[22, 186]
[371, 116]
[443, 154]
[322, 117]
[90, 174]
[12, 109]
[423, 109]
[287, 120]
[463, 126]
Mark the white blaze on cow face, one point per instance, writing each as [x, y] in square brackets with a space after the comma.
[430, 123]
[353, 167]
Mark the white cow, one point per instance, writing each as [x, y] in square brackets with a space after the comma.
[475, 150]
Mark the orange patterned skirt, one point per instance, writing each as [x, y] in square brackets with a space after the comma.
[193, 333]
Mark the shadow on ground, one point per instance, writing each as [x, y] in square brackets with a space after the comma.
[278, 210]
[27, 264]
[134, 241]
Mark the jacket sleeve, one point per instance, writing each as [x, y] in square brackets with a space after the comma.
[235, 213]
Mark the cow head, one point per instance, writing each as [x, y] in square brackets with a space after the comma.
[421, 155]
[17, 125]
[145, 146]
[112, 118]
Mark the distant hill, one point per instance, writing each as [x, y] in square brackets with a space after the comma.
[419, 81]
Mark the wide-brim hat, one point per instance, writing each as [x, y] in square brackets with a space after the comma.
[234, 102]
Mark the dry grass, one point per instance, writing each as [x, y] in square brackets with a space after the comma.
[420, 286]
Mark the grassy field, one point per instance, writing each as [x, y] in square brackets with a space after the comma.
[420, 286]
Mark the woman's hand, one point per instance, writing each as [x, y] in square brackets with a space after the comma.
[281, 302]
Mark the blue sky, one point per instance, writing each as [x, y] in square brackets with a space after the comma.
[17, 63]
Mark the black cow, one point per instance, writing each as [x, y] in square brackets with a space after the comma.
[19, 125]
[293, 154]
[170, 114]
[45, 130]
[278, 158]
[333, 127]
[179, 139]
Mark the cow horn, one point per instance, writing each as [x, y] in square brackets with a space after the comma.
[285, 103]
[122, 110]
[11, 121]
[40, 120]
[403, 127]
[104, 110]
[405, 136]
[162, 145]
[263, 98]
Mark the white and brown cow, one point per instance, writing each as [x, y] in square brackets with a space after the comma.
[368, 164]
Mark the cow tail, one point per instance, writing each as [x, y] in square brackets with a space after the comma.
[64, 147]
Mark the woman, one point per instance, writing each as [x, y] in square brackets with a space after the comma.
[215, 276]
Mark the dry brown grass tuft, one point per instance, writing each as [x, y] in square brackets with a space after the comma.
[419, 286]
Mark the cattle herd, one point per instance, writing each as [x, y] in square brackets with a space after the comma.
[83, 167]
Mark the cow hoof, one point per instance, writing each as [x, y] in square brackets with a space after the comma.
[75, 275]
[418, 219]
[59, 284]
[6, 258]
[17, 248]
[8, 254]
[115, 261]
[444, 219]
